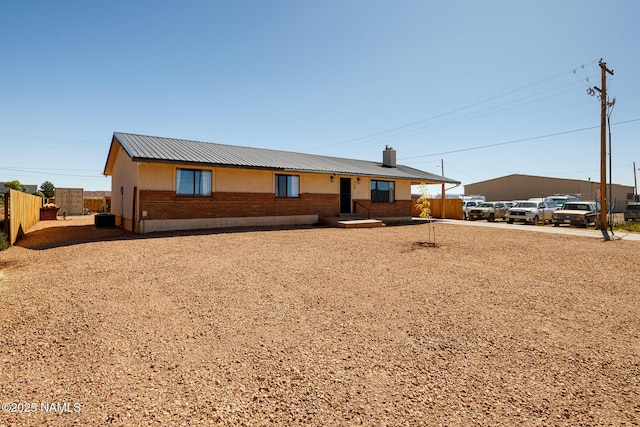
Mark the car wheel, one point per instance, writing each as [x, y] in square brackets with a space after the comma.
[556, 224]
[536, 220]
[510, 221]
[491, 218]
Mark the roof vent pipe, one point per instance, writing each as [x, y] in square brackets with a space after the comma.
[389, 157]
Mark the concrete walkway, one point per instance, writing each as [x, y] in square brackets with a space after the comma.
[565, 230]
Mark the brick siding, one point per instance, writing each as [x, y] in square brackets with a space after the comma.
[168, 205]
[400, 208]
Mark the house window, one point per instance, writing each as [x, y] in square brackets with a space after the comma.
[193, 182]
[382, 191]
[287, 186]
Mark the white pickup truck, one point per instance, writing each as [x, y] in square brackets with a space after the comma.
[535, 212]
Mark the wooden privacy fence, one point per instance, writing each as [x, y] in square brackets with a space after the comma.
[452, 208]
[97, 204]
[22, 211]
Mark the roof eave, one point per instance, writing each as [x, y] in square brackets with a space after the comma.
[108, 166]
[413, 179]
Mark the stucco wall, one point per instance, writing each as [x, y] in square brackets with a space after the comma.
[125, 176]
[361, 187]
[234, 180]
[403, 190]
[157, 176]
[319, 183]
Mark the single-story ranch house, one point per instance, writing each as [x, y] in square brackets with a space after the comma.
[163, 184]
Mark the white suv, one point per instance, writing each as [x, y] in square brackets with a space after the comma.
[532, 211]
[468, 205]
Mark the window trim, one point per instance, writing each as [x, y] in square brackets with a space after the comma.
[201, 183]
[288, 186]
[391, 192]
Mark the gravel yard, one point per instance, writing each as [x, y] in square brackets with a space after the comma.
[319, 326]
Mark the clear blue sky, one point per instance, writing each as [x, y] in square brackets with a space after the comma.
[435, 80]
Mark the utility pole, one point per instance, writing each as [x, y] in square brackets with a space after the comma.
[603, 145]
[442, 191]
[635, 183]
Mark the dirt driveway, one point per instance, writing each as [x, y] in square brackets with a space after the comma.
[319, 326]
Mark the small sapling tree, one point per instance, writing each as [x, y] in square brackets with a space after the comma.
[423, 206]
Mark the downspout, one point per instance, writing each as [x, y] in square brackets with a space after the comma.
[455, 186]
[122, 206]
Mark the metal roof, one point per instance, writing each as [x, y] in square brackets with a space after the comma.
[171, 150]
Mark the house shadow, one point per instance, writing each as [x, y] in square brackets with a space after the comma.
[61, 236]
[56, 236]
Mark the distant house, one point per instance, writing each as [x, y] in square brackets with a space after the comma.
[171, 184]
[28, 188]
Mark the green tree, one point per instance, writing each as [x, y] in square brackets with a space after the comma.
[48, 189]
[15, 185]
[38, 193]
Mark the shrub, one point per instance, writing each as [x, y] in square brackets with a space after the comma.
[3, 241]
[627, 226]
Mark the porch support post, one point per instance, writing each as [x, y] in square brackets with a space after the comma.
[442, 196]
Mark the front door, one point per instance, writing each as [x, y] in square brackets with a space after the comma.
[345, 195]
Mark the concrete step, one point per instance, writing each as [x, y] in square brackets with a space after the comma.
[341, 222]
[351, 216]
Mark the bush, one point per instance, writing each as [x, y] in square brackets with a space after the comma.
[633, 226]
[3, 241]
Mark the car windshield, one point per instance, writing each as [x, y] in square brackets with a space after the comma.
[633, 207]
[576, 207]
[525, 205]
[486, 205]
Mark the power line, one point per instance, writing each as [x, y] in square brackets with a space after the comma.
[468, 117]
[53, 138]
[54, 169]
[472, 116]
[42, 171]
[480, 147]
[555, 76]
